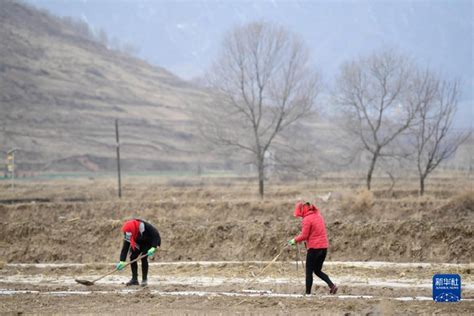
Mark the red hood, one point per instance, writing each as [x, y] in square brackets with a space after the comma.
[304, 209]
[132, 227]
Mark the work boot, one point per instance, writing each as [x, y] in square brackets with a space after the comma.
[144, 283]
[132, 282]
[333, 289]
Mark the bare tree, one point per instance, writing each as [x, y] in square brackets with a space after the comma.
[434, 137]
[265, 83]
[395, 167]
[375, 94]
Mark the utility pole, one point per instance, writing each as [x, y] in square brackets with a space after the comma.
[118, 159]
[11, 165]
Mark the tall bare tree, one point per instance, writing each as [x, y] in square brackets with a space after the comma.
[435, 140]
[375, 94]
[265, 83]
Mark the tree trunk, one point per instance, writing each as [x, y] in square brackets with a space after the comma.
[371, 168]
[422, 185]
[261, 177]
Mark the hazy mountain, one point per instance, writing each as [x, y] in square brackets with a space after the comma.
[60, 93]
[61, 90]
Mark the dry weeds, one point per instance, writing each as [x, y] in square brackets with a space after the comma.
[464, 200]
[361, 201]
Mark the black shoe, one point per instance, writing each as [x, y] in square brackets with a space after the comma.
[333, 289]
[144, 283]
[132, 282]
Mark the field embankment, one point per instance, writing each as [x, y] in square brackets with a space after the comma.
[224, 220]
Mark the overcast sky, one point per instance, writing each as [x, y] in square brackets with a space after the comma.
[184, 36]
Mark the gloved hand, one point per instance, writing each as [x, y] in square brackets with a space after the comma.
[292, 242]
[120, 265]
[151, 251]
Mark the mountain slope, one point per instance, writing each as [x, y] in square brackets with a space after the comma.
[61, 92]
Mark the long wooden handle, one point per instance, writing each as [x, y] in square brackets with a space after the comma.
[115, 270]
[265, 268]
[298, 255]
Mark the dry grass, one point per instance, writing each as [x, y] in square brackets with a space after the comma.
[75, 88]
[194, 189]
[464, 200]
[195, 213]
[358, 202]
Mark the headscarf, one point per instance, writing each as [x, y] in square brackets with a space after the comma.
[302, 209]
[131, 230]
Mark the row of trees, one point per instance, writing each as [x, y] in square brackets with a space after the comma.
[266, 85]
[399, 110]
[83, 29]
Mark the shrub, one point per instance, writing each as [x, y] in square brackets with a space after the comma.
[464, 200]
[361, 201]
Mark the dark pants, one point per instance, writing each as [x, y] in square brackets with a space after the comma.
[314, 264]
[134, 255]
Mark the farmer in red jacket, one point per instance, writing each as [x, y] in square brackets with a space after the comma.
[314, 234]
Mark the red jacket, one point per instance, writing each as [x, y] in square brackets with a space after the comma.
[313, 228]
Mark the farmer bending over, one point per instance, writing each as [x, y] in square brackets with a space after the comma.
[314, 234]
[141, 238]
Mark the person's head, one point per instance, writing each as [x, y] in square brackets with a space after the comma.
[130, 230]
[303, 208]
[128, 226]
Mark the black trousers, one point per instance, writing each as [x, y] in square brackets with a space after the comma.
[314, 264]
[134, 255]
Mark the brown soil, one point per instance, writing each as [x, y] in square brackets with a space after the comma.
[150, 305]
[79, 222]
[163, 297]
[210, 222]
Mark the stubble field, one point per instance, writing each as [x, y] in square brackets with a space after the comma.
[217, 237]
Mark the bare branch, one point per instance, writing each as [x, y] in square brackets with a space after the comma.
[376, 91]
[265, 84]
[435, 139]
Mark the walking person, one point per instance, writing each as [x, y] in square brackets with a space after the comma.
[313, 232]
[140, 238]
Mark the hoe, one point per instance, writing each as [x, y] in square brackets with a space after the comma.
[89, 283]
